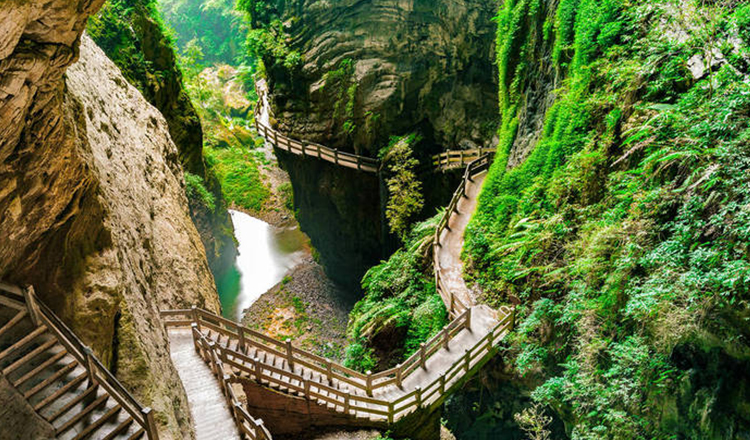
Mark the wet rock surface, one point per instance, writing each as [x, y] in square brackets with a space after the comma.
[91, 188]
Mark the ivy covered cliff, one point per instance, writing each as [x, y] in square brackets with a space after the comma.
[622, 226]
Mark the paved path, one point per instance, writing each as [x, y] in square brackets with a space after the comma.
[452, 241]
[207, 405]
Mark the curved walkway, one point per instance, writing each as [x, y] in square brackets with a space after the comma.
[213, 420]
[448, 257]
[447, 160]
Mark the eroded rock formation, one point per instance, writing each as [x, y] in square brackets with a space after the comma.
[369, 71]
[397, 65]
[93, 203]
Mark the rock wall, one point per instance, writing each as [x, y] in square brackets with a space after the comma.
[422, 64]
[92, 196]
[149, 62]
[369, 71]
[19, 418]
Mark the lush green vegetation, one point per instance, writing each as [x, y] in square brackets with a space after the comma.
[401, 301]
[241, 182]
[197, 190]
[117, 28]
[218, 79]
[405, 200]
[625, 231]
[211, 28]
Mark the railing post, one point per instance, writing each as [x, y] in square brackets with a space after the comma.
[442, 385]
[390, 412]
[28, 295]
[212, 355]
[398, 377]
[422, 356]
[369, 383]
[418, 389]
[453, 303]
[317, 149]
[347, 404]
[258, 369]
[148, 416]
[196, 317]
[194, 332]
[290, 354]
[512, 318]
[446, 338]
[89, 364]
[276, 139]
[304, 147]
[329, 371]
[336, 155]
[307, 388]
[468, 359]
[225, 386]
[241, 344]
[467, 325]
[236, 410]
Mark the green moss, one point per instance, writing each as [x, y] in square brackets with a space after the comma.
[615, 231]
[241, 182]
[196, 189]
[399, 296]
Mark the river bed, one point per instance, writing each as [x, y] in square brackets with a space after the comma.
[266, 254]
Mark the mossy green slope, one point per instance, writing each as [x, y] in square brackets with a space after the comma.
[625, 230]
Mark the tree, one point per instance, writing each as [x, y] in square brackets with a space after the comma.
[405, 198]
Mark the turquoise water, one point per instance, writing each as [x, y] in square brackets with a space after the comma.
[266, 254]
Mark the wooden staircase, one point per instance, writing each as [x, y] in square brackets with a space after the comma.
[59, 377]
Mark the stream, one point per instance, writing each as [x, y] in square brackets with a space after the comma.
[265, 255]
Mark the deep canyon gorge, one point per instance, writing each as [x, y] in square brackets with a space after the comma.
[374, 220]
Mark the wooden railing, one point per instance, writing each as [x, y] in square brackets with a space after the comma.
[362, 382]
[355, 398]
[458, 158]
[454, 305]
[40, 314]
[443, 161]
[250, 427]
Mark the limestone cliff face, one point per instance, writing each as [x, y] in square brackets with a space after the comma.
[423, 64]
[150, 64]
[92, 196]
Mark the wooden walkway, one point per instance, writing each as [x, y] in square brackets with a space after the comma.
[383, 399]
[449, 239]
[422, 381]
[453, 159]
[59, 376]
[211, 415]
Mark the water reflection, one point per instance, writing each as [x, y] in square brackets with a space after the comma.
[265, 255]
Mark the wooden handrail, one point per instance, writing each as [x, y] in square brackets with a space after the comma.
[445, 160]
[360, 404]
[332, 370]
[249, 426]
[454, 305]
[143, 416]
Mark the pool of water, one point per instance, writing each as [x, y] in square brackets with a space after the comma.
[266, 254]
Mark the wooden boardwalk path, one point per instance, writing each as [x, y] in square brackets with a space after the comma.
[60, 378]
[452, 159]
[448, 255]
[383, 399]
[211, 415]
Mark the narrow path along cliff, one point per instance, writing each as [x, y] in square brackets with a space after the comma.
[213, 419]
[451, 241]
[401, 398]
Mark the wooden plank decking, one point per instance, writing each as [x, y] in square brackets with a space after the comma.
[213, 419]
